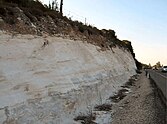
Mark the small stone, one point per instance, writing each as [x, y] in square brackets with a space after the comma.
[121, 107]
[18, 18]
[126, 102]
[135, 95]
[1, 20]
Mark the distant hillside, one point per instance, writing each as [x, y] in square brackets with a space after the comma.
[32, 17]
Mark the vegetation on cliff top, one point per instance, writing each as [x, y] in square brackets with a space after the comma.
[29, 16]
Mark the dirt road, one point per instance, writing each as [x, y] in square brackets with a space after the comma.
[141, 106]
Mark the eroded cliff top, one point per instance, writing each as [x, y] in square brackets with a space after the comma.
[32, 17]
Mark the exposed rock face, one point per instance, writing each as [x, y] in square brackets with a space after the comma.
[51, 80]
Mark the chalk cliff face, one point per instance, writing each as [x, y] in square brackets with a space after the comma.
[56, 81]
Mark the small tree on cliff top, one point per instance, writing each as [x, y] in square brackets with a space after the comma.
[61, 7]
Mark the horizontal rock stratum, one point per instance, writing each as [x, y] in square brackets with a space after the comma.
[51, 79]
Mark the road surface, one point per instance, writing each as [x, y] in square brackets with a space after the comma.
[162, 73]
[160, 79]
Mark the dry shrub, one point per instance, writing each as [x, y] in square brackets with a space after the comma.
[119, 96]
[86, 119]
[104, 107]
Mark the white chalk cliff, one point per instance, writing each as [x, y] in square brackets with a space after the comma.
[54, 83]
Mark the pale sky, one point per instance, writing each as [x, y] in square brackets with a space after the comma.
[143, 22]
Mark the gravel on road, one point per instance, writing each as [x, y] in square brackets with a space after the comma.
[142, 106]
